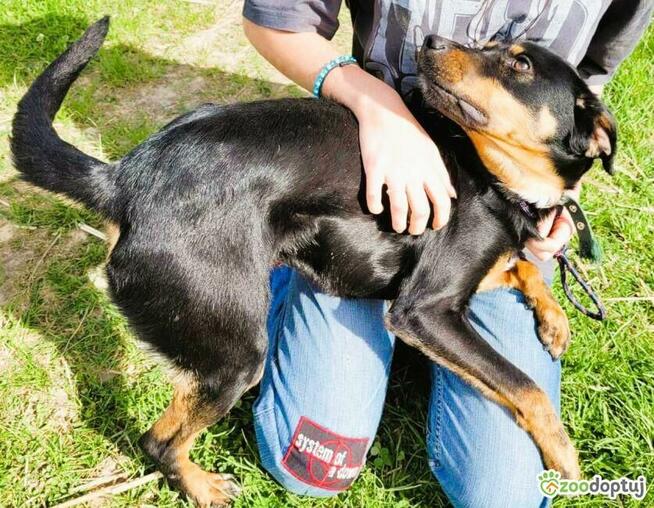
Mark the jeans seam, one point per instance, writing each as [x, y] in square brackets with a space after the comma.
[263, 411]
[384, 382]
[435, 437]
[279, 327]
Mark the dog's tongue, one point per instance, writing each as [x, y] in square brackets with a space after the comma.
[472, 113]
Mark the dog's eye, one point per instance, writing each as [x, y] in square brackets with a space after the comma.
[521, 63]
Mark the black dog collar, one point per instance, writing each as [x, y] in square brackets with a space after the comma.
[589, 248]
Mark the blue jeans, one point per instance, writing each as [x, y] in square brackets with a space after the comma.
[323, 390]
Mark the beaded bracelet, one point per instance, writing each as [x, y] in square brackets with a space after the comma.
[330, 66]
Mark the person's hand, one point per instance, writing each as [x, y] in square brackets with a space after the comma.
[556, 232]
[397, 152]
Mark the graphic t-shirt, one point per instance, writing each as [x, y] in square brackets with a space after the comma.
[593, 35]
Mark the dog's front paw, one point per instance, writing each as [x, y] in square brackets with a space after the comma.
[553, 328]
[561, 456]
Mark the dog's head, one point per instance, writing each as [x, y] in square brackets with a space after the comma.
[534, 122]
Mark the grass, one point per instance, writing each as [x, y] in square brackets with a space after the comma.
[76, 392]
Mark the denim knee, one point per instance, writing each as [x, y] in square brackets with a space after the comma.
[323, 387]
[477, 451]
[506, 479]
[274, 450]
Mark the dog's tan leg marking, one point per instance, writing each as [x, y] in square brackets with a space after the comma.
[113, 234]
[171, 438]
[537, 416]
[524, 276]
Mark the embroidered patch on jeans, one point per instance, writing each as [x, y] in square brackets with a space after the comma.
[322, 458]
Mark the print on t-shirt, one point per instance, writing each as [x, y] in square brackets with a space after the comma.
[399, 27]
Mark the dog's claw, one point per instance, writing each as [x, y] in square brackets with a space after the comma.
[208, 490]
[228, 486]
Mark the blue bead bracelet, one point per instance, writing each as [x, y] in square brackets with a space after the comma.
[330, 66]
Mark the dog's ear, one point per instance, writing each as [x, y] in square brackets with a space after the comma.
[595, 133]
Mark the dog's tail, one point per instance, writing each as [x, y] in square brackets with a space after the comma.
[41, 156]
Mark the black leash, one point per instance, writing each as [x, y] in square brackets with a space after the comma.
[588, 249]
[565, 265]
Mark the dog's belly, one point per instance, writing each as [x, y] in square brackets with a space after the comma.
[353, 258]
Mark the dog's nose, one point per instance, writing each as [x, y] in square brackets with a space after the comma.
[436, 42]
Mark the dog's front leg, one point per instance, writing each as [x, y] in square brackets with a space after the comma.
[446, 337]
[520, 274]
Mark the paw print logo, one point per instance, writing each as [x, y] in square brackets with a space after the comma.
[549, 482]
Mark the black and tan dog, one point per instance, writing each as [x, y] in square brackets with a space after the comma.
[209, 204]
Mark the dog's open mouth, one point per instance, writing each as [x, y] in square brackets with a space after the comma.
[460, 109]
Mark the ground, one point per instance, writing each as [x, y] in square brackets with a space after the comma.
[75, 391]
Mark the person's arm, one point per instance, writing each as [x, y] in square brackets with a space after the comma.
[395, 150]
[617, 34]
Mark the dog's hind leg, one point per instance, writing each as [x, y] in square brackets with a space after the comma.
[196, 404]
[218, 354]
[202, 307]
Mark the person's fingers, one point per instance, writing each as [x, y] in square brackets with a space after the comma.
[419, 206]
[556, 232]
[542, 255]
[567, 218]
[561, 232]
[559, 235]
[545, 225]
[374, 184]
[444, 176]
[451, 190]
[437, 166]
[399, 206]
[440, 198]
[535, 247]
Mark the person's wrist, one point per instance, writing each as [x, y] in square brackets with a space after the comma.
[379, 98]
[363, 106]
[347, 85]
[383, 106]
[360, 92]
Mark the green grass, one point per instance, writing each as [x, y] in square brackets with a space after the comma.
[75, 391]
